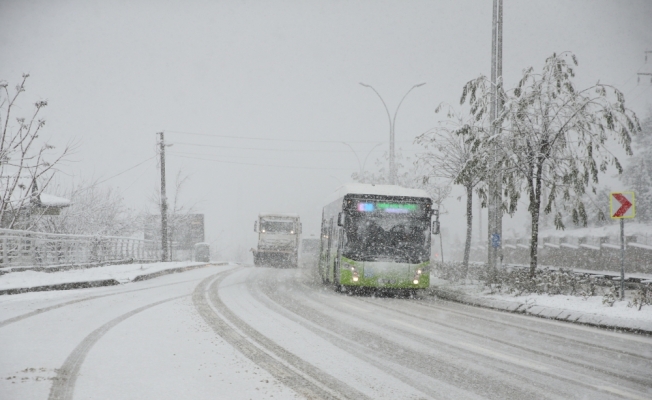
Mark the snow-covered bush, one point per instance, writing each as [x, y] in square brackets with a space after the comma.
[642, 297]
[610, 296]
[450, 270]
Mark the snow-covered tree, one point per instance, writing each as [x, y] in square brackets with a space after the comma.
[94, 210]
[553, 135]
[638, 174]
[448, 155]
[27, 161]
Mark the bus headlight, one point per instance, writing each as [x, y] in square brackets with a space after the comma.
[355, 277]
[419, 271]
[416, 281]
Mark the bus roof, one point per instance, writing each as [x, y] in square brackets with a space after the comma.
[382, 190]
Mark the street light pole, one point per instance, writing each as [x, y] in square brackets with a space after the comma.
[392, 123]
[361, 166]
[494, 209]
[356, 157]
[368, 154]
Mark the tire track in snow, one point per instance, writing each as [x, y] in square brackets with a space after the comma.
[583, 382]
[636, 375]
[439, 390]
[442, 365]
[476, 313]
[56, 306]
[295, 373]
[63, 385]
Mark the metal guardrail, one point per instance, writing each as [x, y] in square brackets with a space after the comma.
[27, 248]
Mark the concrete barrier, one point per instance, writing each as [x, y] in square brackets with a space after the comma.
[591, 253]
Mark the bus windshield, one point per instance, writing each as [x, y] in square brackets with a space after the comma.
[271, 226]
[387, 237]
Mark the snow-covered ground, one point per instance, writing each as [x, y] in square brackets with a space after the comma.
[233, 332]
[592, 307]
[122, 273]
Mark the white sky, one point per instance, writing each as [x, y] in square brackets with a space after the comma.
[115, 73]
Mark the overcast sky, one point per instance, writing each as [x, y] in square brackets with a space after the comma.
[224, 72]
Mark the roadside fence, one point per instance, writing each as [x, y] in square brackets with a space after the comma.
[27, 248]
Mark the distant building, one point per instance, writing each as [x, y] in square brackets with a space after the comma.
[39, 204]
[184, 231]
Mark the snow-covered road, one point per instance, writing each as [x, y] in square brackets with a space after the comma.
[236, 332]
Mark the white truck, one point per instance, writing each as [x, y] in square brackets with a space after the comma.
[278, 240]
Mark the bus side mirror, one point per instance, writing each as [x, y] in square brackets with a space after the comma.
[300, 228]
[256, 226]
[435, 227]
[341, 217]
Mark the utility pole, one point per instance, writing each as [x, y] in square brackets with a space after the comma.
[164, 203]
[494, 209]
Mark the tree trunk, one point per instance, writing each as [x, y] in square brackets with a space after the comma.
[535, 205]
[534, 240]
[469, 229]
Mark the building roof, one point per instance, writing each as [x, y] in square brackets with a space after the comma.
[48, 200]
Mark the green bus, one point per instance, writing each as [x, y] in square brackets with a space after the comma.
[377, 236]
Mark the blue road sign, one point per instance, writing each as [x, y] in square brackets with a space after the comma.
[495, 240]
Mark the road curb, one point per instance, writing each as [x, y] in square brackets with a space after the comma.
[68, 267]
[156, 274]
[577, 317]
[61, 286]
[103, 282]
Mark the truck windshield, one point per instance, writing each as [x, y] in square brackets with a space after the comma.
[387, 237]
[271, 226]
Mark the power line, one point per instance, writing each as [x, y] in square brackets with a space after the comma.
[118, 174]
[259, 148]
[271, 139]
[258, 165]
[281, 150]
[256, 157]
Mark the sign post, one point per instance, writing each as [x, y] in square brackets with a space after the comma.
[626, 208]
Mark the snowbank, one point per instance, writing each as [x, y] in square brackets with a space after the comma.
[120, 273]
[589, 311]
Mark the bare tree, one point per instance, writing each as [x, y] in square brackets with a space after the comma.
[27, 162]
[552, 135]
[450, 156]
